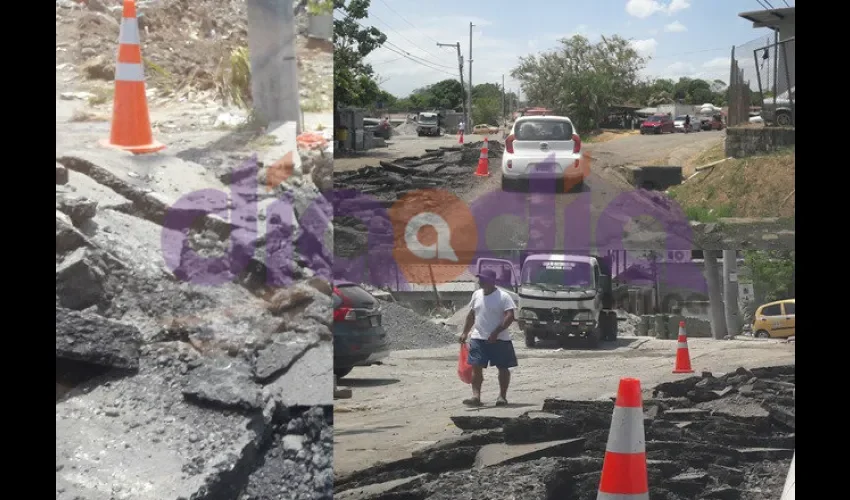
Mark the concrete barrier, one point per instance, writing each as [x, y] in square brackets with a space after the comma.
[694, 327]
[746, 141]
[660, 323]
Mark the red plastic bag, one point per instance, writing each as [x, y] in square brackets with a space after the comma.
[464, 369]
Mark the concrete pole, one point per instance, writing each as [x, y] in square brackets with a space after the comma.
[469, 122]
[730, 292]
[274, 68]
[712, 278]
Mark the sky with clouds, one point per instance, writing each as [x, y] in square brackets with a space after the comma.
[683, 37]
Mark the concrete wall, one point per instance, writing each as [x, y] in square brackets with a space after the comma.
[666, 326]
[742, 142]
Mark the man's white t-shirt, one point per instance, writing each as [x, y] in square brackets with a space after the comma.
[489, 312]
[460, 126]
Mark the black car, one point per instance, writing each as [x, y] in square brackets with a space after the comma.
[359, 336]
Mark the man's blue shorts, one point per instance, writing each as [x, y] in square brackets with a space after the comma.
[500, 354]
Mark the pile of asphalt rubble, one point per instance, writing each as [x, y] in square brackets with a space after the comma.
[168, 389]
[449, 168]
[408, 330]
[726, 437]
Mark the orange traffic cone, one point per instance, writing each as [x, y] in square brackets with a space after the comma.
[131, 125]
[483, 161]
[683, 356]
[460, 136]
[624, 468]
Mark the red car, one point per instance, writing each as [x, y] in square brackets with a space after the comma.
[657, 124]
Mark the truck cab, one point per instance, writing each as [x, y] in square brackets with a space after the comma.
[428, 124]
[559, 296]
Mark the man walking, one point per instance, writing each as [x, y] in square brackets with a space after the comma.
[491, 312]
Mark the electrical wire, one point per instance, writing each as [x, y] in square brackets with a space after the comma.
[408, 22]
[411, 42]
[387, 45]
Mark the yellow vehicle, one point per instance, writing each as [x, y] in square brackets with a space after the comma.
[775, 320]
[483, 129]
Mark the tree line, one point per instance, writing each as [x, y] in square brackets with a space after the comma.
[583, 80]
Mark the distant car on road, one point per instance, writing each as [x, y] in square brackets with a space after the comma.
[542, 146]
[657, 124]
[716, 123]
[379, 128]
[679, 124]
[359, 336]
[484, 129]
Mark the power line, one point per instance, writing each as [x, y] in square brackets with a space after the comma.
[404, 37]
[407, 56]
[402, 52]
[381, 63]
[408, 22]
[387, 45]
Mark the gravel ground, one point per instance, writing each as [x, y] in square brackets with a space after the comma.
[409, 330]
[299, 462]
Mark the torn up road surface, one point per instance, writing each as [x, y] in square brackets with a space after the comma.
[729, 436]
[168, 389]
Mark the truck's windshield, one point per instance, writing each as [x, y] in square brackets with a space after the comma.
[558, 274]
[428, 119]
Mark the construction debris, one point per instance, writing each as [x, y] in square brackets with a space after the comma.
[407, 329]
[449, 168]
[171, 388]
[693, 451]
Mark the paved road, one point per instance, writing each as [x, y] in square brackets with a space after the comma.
[620, 219]
[406, 403]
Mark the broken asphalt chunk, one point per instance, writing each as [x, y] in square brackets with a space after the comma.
[93, 339]
[223, 383]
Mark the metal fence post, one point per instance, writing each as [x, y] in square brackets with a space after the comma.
[788, 82]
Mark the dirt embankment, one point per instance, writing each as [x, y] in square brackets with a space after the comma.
[756, 186]
[724, 437]
[191, 49]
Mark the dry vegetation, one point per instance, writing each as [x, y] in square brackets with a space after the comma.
[606, 135]
[757, 186]
[190, 48]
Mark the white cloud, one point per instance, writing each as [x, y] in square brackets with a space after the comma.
[718, 63]
[645, 48]
[642, 9]
[675, 27]
[713, 69]
[677, 5]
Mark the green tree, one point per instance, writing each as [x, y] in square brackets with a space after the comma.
[772, 272]
[487, 103]
[353, 82]
[582, 79]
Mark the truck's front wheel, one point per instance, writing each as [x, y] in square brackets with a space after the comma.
[608, 325]
[530, 339]
[593, 337]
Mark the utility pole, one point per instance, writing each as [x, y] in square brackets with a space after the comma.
[274, 69]
[469, 107]
[456, 45]
[715, 297]
[730, 291]
[504, 111]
